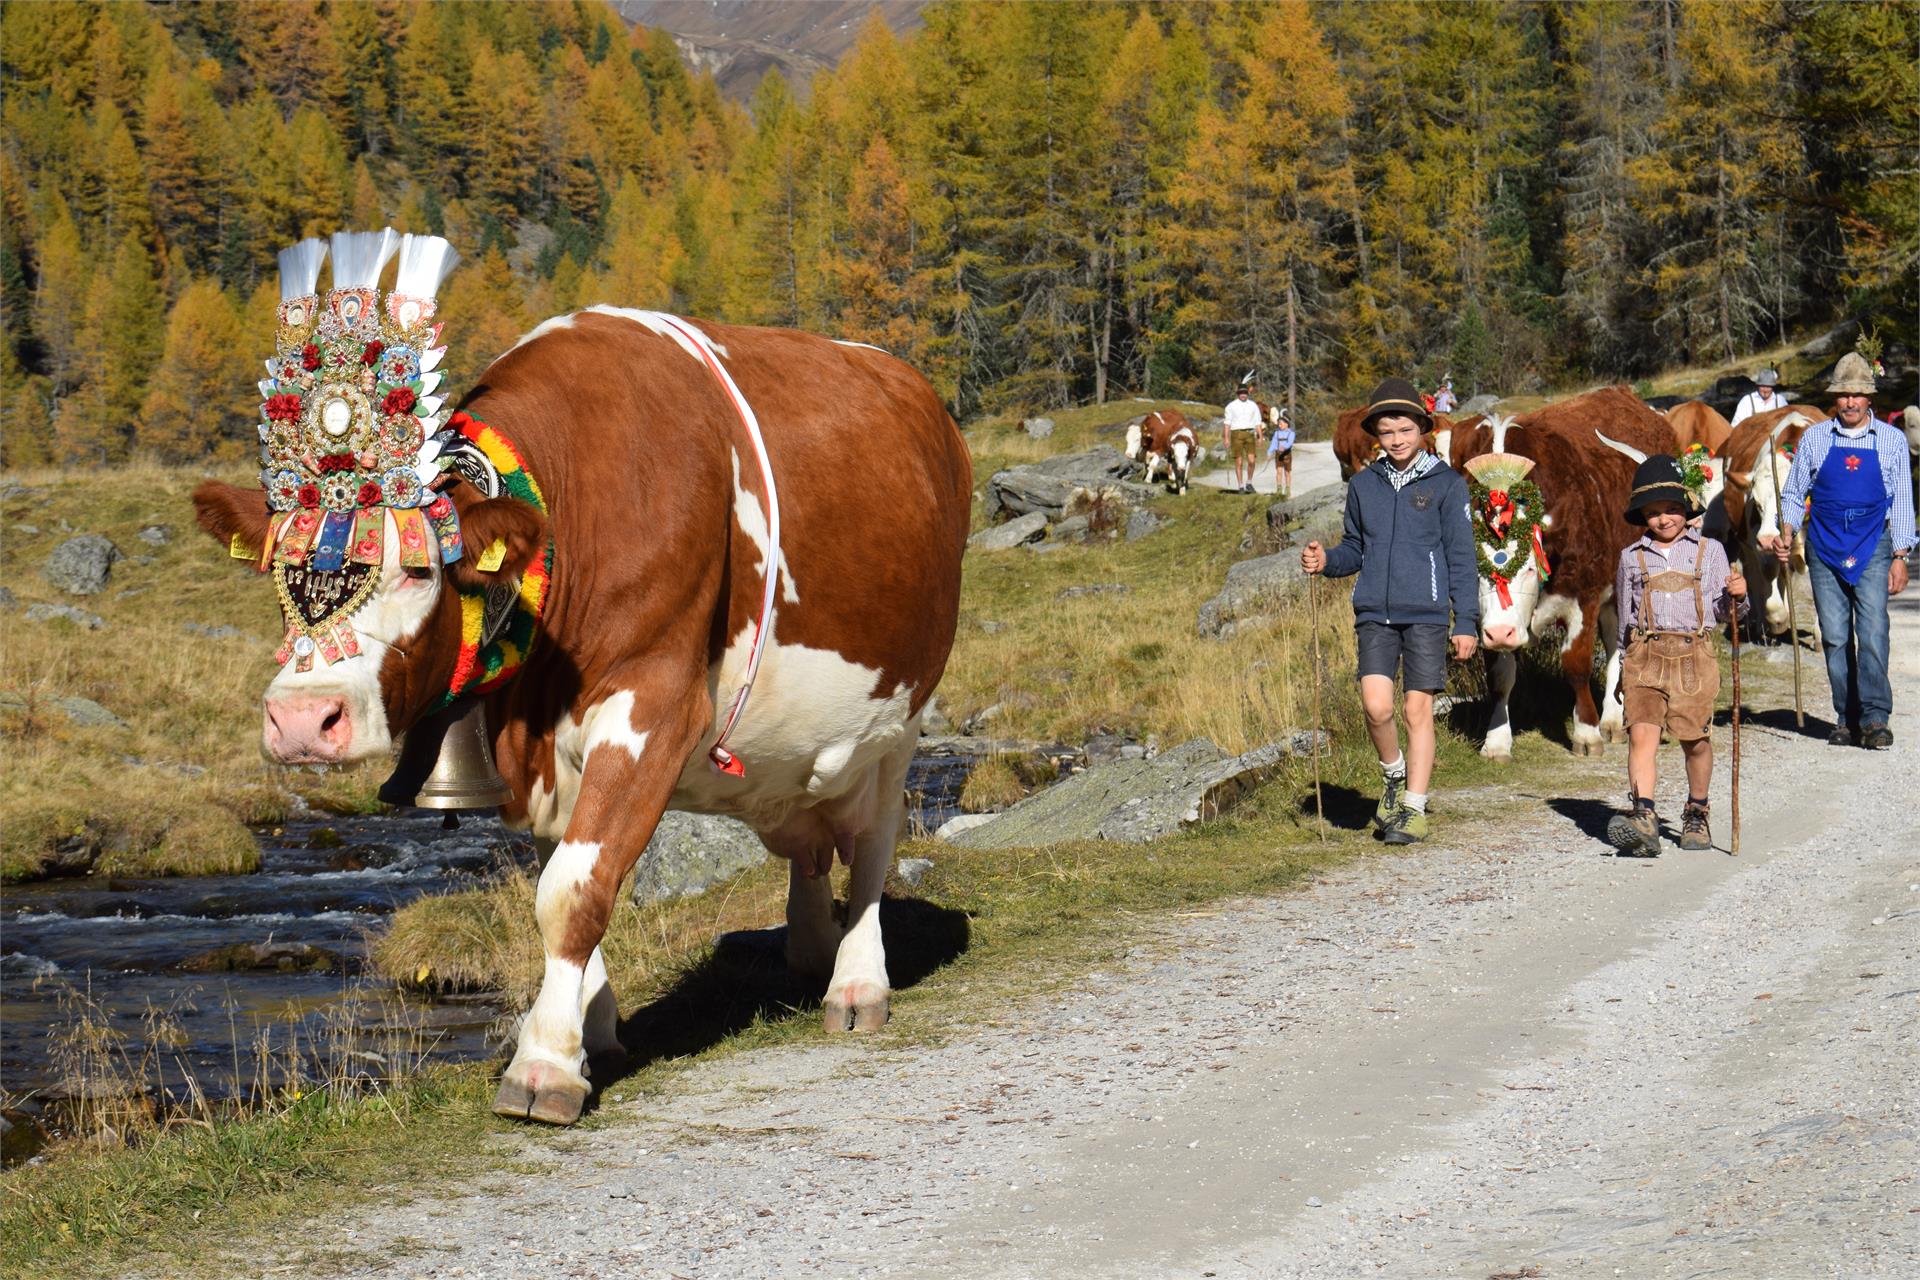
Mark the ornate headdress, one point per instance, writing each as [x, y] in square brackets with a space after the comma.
[351, 437]
[1508, 513]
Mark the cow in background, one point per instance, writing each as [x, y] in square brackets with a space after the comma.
[1152, 441]
[1695, 422]
[1752, 506]
[1584, 485]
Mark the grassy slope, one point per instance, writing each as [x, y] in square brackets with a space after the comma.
[186, 699]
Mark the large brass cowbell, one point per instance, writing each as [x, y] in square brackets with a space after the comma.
[447, 763]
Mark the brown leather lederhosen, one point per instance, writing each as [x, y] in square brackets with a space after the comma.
[1671, 678]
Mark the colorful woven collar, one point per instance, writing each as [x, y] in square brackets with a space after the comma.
[493, 648]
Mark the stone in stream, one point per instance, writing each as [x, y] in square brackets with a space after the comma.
[266, 957]
[692, 852]
[80, 566]
[1135, 801]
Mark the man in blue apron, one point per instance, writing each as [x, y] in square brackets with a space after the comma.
[1849, 484]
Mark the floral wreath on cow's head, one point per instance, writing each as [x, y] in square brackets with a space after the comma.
[1508, 515]
[353, 445]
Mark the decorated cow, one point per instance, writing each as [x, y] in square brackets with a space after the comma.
[1547, 497]
[631, 548]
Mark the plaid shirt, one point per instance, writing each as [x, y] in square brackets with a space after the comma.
[1672, 611]
[1889, 445]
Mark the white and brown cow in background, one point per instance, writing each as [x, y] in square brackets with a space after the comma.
[659, 563]
[1584, 484]
[1695, 422]
[1164, 438]
[1759, 450]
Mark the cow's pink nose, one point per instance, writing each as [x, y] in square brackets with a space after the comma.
[308, 730]
[1501, 637]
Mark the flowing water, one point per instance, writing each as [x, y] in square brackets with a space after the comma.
[135, 954]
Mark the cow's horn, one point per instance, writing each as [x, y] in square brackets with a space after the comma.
[1501, 424]
[1638, 455]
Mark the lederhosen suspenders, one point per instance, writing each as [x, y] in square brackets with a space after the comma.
[1644, 625]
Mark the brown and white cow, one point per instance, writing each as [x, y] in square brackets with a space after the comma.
[1758, 448]
[660, 551]
[1697, 423]
[1584, 484]
[1164, 438]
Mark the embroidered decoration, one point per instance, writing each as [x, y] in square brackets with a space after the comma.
[1853, 464]
[495, 641]
[1508, 512]
[346, 414]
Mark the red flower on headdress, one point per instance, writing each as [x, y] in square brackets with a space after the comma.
[370, 494]
[335, 462]
[398, 400]
[1498, 499]
[309, 495]
[284, 407]
[310, 357]
[370, 354]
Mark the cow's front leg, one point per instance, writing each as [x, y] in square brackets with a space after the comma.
[627, 775]
[858, 994]
[1576, 662]
[1613, 725]
[600, 1008]
[1501, 669]
[813, 934]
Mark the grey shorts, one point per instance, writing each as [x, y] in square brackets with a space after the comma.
[1421, 646]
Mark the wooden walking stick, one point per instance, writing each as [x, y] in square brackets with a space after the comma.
[1313, 616]
[1793, 618]
[1733, 629]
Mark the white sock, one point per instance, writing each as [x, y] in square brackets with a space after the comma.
[1416, 801]
[1394, 768]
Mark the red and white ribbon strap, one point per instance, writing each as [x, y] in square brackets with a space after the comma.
[698, 343]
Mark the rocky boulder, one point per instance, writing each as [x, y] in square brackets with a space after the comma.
[44, 612]
[1479, 404]
[692, 852]
[1263, 586]
[80, 566]
[1135, 800]
[1005, 537]
[1038, 428]
[1048, 485]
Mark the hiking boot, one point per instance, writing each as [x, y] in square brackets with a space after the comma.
[1876, 737]
[1389, 801]
[1842, 736]
[1636, 834]
[1694, 832]
[1404, 826]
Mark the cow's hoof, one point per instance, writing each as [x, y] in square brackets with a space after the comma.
[1585, 746]
[1613, 733]
[1499, 755]
[857, 1006]
[542, 1092]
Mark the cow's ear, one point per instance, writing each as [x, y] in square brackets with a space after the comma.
[1741, 480]
[499, 538]
[234, 517]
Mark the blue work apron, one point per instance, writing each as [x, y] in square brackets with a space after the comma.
[1850, 506]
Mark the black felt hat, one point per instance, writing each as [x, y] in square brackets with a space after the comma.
[1396, 397]
[1658, 479]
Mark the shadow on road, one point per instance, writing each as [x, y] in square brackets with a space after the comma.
[744, 979]
[1590, 816]
[1347, 809]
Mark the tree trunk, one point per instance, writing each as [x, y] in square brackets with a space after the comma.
[1293, 346]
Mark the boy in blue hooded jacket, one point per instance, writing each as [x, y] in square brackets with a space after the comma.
[1409, 535]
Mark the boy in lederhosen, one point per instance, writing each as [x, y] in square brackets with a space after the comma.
[1672, 588]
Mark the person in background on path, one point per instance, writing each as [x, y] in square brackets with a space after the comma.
[1241, 433]
[1443, 400]
[1859, 531]
[1281, 451]
[1409, 535]
[1763, 397]
[1672, 586]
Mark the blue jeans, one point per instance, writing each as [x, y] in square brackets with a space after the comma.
[1854, 629]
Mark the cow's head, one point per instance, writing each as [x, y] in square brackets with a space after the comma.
[350, 707]
[1133, 441]
[1510, 522]
[1181, 454]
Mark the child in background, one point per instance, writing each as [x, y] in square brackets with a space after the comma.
[1281, 451]
[1672, 588]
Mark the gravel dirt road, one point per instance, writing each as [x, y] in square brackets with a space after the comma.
[1502, 1055]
